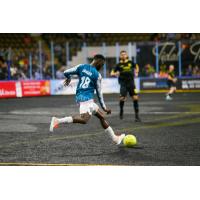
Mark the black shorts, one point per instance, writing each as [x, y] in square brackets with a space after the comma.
[127, 88]
[170, 83]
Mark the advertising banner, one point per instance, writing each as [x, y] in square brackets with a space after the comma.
[109, 85]
[153, 84]
[161, 83]
[57, 87]
[35, 88]
[7, 89]
[189, 83]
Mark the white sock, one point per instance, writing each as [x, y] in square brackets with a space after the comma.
[111, 133]
[65, 120]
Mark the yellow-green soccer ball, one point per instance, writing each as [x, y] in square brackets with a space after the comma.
[129, 141]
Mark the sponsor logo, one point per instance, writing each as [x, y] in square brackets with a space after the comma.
[168, 51]
[190, 84]
[4, 92]
[195, 50]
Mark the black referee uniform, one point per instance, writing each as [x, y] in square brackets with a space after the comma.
[127, 85]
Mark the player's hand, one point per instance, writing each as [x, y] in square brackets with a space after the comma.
[67, 82]
[116, 74]
[175, 80]
[108, 111]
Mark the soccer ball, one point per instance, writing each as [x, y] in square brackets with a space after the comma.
[129, 141]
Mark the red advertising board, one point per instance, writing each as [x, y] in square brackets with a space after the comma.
[7, 89]
[35, 88]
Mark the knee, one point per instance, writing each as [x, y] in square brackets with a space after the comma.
[122, 98]
[85, 118]
[135, 97]
[84, 121]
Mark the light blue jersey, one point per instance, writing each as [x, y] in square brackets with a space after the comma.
[89, 81]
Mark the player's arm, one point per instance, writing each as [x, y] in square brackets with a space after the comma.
[100, 95]
[136, 69]
[171, 78]
[115, 71]
[68, 73]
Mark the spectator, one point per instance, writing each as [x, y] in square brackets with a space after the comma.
[163, 71]
[196, 71]
[171, 36]
[37, 75]
[3, 69]
[189, 70]
[149, 70]
[25, 72]
[60, 74]
[163, 36]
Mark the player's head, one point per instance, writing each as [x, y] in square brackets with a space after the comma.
[171, 67]
[98, 61]
[123, 55]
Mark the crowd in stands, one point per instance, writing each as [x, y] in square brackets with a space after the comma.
[21, 45]
[150, 71]
[20, 70]
[174, 36]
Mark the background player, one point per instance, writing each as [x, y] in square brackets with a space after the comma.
[89, 81]
[171, 80]
[125, 70]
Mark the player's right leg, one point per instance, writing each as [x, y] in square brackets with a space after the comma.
[135, 97]
[170, 93]
[122, 99]
[172, 89]
[81, 119]
[85, 114]
[117, 139]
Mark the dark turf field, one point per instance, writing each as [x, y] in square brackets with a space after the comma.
[168, 135]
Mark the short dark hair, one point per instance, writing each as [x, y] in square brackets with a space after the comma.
[99, 56]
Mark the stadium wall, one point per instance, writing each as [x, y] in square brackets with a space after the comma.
[30, 88]
[183, 84]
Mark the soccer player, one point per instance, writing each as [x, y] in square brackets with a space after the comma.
[171, 80]
[89, 81]
[125, 71]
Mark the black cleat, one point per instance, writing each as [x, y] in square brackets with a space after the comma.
[137, 119]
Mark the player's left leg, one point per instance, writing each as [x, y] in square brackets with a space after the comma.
[117, 139]
[171, 92]
[172, 89]
[135, 97]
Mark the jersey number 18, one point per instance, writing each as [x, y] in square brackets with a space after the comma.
[85, 81]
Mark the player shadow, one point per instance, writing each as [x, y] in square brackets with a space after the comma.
[134, 147]
[118, 151]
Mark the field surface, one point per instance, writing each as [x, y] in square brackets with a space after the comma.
[169, 133]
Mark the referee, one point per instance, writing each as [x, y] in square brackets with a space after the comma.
[125, 70]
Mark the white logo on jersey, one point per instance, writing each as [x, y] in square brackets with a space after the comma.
[87, 72]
